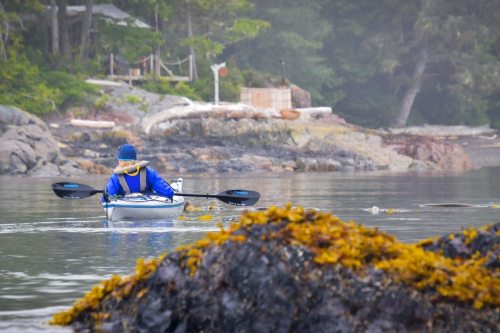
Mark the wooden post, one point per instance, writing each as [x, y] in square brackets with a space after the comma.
[190, 67]
[153, 69]
[157, 66]
[111, 64]
[151, 63]
[180, 64]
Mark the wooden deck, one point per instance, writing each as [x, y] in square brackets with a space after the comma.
[150, 66]
[144, 78]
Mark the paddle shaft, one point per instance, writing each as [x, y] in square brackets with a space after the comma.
[217, 196]
[177, 194]
[198, 195]
[232, 197]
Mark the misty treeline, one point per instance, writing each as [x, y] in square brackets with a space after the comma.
[375, 62]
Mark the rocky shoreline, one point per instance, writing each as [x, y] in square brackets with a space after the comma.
[179, 136]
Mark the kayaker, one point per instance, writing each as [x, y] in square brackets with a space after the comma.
[133, 176]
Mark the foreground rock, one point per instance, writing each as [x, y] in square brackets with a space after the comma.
[286, 270]
[28, 147]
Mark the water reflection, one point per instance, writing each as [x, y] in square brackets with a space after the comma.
[148, 237]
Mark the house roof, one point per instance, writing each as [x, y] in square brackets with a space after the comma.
[111, 13]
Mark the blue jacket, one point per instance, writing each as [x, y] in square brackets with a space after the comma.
[154, 182]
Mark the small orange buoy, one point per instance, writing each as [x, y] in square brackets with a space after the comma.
[223, 72]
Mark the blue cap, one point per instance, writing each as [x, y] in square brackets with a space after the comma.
[126, 152]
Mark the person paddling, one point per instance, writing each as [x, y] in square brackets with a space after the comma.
[133, 176]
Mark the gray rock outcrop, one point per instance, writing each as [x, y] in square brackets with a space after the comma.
[432, 151]
[27, 146]
[300, 98]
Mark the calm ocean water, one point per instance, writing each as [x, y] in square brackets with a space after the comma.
[53, 250]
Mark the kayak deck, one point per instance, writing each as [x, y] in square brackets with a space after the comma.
[149, 206]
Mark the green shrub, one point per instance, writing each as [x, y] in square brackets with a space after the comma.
[165, 87]
[204, 87]
[184, 89]
[21, 85]
[160, 86]
[100, 102]
[133, 99]
[74, 90]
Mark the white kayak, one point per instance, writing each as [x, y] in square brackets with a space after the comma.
[138, 206]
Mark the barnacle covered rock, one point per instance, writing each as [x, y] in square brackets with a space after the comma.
[291, 270]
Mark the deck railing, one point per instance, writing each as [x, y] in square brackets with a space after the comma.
[152, 65]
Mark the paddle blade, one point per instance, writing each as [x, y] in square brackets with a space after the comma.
[73, 190]
[239, 197]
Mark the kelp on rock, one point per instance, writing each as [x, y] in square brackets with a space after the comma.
[290, 269]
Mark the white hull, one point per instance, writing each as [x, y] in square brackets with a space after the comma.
[145, 207]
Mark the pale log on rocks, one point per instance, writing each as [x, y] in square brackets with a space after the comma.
[92, 123]
[231, 111]
[311, 113]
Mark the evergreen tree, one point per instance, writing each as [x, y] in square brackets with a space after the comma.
[296, 36]
[422, 51]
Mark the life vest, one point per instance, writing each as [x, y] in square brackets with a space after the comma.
[132, 170]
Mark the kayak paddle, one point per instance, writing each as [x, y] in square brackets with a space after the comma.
[233, 197]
